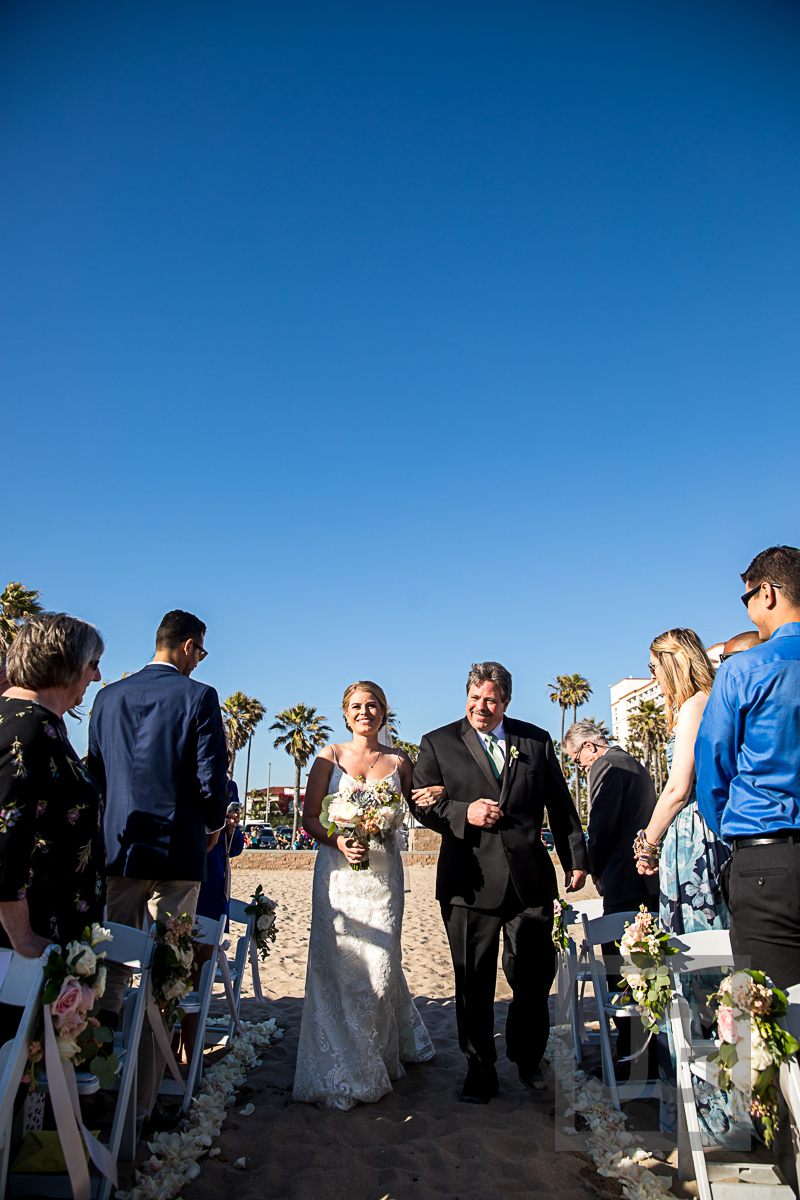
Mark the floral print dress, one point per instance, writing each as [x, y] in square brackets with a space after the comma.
[692, 859]
[51, 825]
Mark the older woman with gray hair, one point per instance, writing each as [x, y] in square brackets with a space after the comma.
[52, 858]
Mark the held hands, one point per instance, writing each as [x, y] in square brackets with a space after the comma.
[353, 850]
[425, 797]
[483, 813]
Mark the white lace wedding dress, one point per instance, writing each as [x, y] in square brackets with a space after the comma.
[359, 1021]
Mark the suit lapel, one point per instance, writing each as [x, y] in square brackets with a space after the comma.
[475, 747]
[509, 770]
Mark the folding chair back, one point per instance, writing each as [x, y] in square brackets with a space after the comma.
[210, 933]
[238, 965]
[22, 987]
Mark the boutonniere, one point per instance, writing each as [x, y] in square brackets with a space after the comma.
[513, 751]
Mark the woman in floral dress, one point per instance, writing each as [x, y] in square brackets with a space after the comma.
[52, 859]
[689, 859]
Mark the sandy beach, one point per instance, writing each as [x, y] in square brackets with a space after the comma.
[420, 1141]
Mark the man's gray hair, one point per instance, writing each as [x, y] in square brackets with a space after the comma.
[583, 731]
[52, 650]
[491, 672]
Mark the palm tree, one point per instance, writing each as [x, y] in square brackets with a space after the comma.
[559, 694]
[16, 603]
[302, 733]
[392, 724]
[648, 727]
[601, 727]
[411, 748]
[240, 715]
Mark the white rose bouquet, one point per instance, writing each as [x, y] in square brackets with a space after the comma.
[75, 980]
[751, 1044]
[368, 809]
[265, 929]
[173, 957]
[645, 947]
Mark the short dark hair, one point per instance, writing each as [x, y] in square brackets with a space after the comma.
[778, 564]
[52, 650]
[491, 672]
[176, 628]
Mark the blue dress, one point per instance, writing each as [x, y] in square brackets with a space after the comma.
[690, 900]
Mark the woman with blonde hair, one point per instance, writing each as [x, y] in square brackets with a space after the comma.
[677, 842]
[359, 1022]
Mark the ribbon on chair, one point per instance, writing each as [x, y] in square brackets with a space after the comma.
[156, 1019]
[259, 995]
[224, 970]
[64, 1098]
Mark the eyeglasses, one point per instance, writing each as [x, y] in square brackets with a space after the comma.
[576, 755]
[748, 596]
[730, 654]
[203, 653]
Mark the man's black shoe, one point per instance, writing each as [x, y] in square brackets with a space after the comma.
[533, 1079]
[480, 1086]
[161, 1119]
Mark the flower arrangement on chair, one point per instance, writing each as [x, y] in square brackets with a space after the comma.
[75, 980]
[560, 935]
[645, 946]
[264, 930]
[752, 1045]
[173, 956]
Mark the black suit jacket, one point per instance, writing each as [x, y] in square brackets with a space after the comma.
[476, 864]
[622, 799]
[157, 749]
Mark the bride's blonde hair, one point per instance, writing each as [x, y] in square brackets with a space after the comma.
[686, 669]
[365, 685]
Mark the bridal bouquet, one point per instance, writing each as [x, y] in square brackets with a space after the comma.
[75, 979]
[366, 808]
[752, 1045]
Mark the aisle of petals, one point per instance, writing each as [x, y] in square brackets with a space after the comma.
[614, 1151]
[174, 1156]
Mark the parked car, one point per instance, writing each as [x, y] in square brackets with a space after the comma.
[266, 841]
[547, 838]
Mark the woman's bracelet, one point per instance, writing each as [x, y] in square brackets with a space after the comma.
[646, 852]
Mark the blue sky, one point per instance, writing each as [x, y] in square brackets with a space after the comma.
[386, 337]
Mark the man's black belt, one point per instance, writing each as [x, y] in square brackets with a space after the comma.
[767, 839]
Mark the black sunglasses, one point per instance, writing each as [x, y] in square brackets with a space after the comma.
[748, 596]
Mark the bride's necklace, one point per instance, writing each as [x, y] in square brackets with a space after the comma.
[366, 764]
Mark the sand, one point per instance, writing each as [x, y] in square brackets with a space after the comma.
[420, 1141]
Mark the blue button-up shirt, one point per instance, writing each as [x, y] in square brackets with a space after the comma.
[747, 751]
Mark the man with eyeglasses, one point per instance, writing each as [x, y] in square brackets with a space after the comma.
[157, 748]
[747, 755]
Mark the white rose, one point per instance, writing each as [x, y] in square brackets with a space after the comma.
[67, 1049]
[740, 1075]
[85, 960]
[741, 986]
[266, 922]
[176, 989]
[100, 983]
[634, 979]
[343, 810]
[759, 1054]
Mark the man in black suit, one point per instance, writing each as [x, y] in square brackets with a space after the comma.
[157, 748]
[621, 802]
[484, 783]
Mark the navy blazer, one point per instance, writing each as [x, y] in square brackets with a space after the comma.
[157, 748]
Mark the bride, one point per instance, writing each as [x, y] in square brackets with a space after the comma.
[359, 1021]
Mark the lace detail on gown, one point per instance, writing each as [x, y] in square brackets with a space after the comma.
[359, 1022]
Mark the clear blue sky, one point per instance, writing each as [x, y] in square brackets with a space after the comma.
[386, 337]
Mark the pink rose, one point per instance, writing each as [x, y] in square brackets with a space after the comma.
[87, 998]
[69, 1001]
[726, 1024]
[70, 1027]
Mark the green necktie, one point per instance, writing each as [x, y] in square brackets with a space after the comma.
[495, 755]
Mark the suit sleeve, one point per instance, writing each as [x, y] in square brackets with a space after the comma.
[446, 816]
[237, 843]
[565, 824]
[606, 804]
[212, 761]
[716, 750]
[95, 764]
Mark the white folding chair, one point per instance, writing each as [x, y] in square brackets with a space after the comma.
[579, 975]
[212, 933]
[705, 951]
[596, 931]
[236, 967]
[790, 1071]
[22, 987]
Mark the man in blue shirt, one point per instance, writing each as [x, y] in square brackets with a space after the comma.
[748, 770]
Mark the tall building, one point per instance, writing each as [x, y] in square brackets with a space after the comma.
[628, 694]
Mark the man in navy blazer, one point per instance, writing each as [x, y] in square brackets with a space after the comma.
[157, 748]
